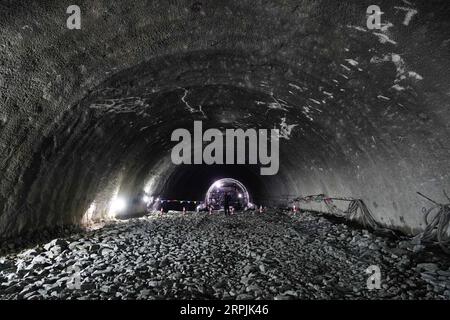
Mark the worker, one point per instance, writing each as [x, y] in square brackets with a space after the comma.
[226, 203]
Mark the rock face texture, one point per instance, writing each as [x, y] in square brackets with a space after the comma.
[87, 114]
[245, 256]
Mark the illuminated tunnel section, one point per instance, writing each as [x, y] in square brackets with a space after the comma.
[361, 113]
[234, 189]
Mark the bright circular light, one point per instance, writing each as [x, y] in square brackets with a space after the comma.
[146, 199]
[215, 193]
[117, 205]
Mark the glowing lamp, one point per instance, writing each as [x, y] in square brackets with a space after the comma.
[117, 205]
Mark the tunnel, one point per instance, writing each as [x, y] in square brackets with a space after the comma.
[361, 114]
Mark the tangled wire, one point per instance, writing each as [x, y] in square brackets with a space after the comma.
[437, 218]
[437, 228]
[356, 210]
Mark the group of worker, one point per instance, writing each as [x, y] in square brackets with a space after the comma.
[227, 201]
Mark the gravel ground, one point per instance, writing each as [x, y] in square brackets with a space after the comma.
[273, 255]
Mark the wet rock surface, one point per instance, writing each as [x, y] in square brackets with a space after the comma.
[273, 255]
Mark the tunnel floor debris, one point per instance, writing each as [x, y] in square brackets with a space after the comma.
[272, 255]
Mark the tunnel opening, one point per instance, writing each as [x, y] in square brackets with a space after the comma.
[234, 190]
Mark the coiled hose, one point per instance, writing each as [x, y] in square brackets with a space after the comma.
[356, 210]
[437, 228]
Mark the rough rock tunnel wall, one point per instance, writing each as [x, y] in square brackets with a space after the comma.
[88, 113]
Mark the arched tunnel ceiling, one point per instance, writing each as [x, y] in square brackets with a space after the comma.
[364, 113]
